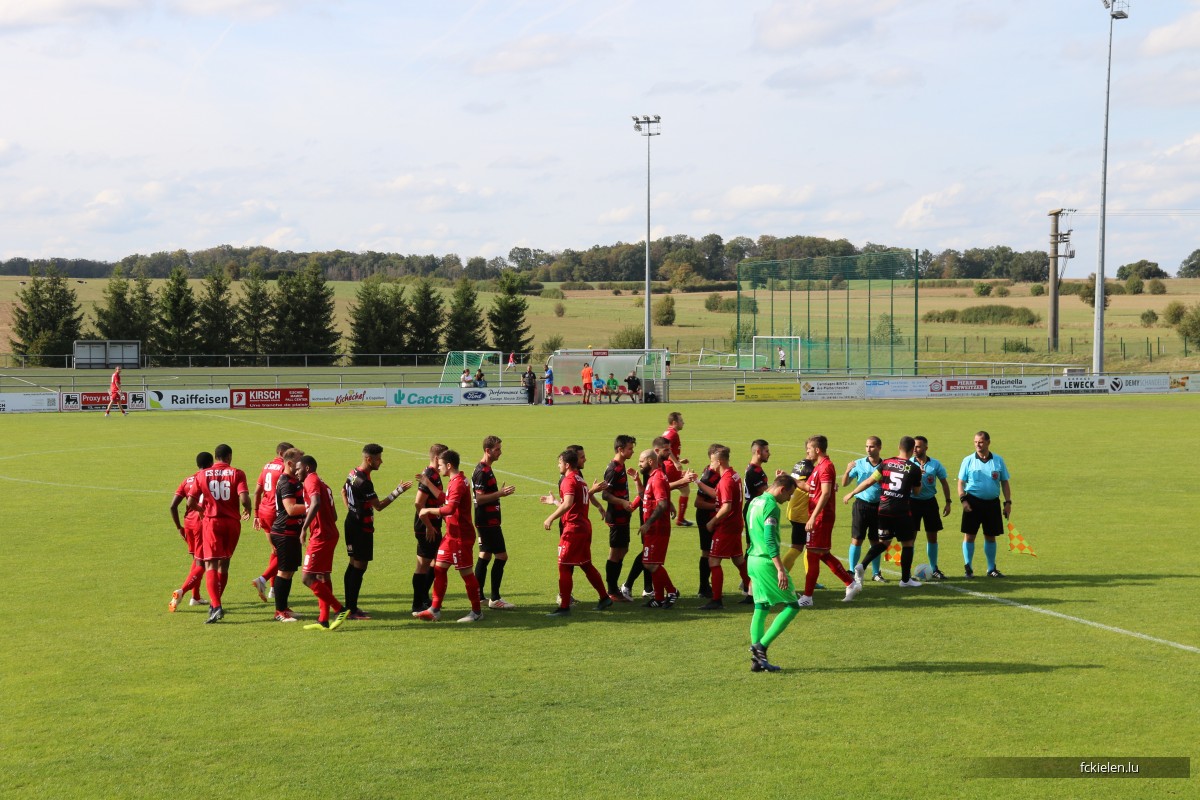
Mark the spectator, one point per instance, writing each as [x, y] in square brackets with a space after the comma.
[529, 381]
[480, 381]
[610, 388]
[465, 380]
[634, 384]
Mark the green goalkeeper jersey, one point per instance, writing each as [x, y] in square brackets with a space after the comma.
[762, 523]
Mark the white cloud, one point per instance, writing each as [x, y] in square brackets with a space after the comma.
[616, 215]
[767, 196]
[806, 24]
[1183, 35]
[535, 53]
[693, 87]
[23, 14]
[804, 79]
[10, 152]
[927, 211]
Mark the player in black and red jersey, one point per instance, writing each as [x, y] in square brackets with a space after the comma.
[427, 529]
[191, 532]
[618, 513]
[899, 477]
[755, 482]
[224, 489]
[487, 520]
[286, 524]
[358, 493]
[457, 546]
[706, 506]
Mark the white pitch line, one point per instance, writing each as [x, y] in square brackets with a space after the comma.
[31, 383]
[358, 441]
[78, 486]
[1080, 620]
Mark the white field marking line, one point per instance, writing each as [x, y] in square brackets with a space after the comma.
[356, 441]
[1059, 615]
[79, 486]
[31, 383]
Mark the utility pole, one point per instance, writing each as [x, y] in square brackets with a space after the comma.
[1056, 239]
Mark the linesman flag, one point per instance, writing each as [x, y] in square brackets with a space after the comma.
[893, 553]
[1018, 542]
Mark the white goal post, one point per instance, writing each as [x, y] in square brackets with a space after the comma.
[765, 352]
[490, 361]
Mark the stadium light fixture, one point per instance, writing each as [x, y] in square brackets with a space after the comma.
[647, 126]
[1117, 9]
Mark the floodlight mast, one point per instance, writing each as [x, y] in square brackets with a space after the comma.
[1117, 9]
[647, 126]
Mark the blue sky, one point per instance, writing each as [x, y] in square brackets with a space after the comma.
[472, 127]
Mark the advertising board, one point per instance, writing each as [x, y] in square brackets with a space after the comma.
[882, 388]
[959, 387]
[1081, 384]
[501, 396]
[342, 398]
[1139, 384]
[1003, 387]
[187, 399]
[28, 402]
[98, 401]
[832, 390]
[423, 398]
[268, 398]
[766, 391]
[1185, 382]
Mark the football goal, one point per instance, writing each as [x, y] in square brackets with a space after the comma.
[489, 361]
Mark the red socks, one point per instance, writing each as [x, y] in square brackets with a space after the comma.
[193, 580]
[325, 600]
[836, 567]
[660, 580]
[472, 590]
[593, 576]
[272, 568]
[717, 577]
[745, 575]
[212, 579]
[682, 509]
[224, 581]
[566, 582]
[439, 586]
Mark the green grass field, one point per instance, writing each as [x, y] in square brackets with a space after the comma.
[107, 695]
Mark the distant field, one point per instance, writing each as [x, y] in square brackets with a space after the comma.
[1090, 649]
[592, 317]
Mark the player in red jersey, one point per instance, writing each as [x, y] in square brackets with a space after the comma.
[655, 530]
[575, 534]
[821, 515]
[264, 516]
[190, 531]
[223, 488]
[286, 529]
[671, 434]
[726, 526]
[457, 546]
[320, 520]
[114, 393]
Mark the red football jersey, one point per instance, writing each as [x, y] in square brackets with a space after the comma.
[824, 472]
[672, 436]
[729, 492]
[220, 487]
[114, 385]
[187, 489]
[266, 481]
[575, 520]
[324, 524]
[657, 491]
[671, 470]
[457, 509]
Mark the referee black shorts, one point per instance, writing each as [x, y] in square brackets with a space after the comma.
[984, 514]
[864, 520]
[927, 513]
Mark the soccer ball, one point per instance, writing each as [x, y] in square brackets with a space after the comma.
[923, 572]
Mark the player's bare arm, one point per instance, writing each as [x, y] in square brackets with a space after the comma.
[688, 477]
[863, 485]
[175, 513]
[562, 508]
[822, 501]
[380, 503]
[653, 516]
[724, 511]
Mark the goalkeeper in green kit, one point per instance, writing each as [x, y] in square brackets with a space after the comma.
[769, 580]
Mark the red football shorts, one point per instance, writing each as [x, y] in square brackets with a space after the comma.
[574, 549]
[319, 558]
[114, 396]
[821, 536]
[266, 517]
[654, 548]
[459, 553]
[193, 535]
[220, 538]
[724, 545]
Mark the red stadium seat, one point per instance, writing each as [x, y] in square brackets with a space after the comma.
[577, 390]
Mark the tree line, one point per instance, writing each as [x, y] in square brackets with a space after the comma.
[292, 315]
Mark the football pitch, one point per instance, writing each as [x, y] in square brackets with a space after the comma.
[1092, 649]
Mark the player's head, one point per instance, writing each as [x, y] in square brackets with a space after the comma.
[372, 456]
[282, 448]
[448, 462]
[816, 446]
[568, 459]
[648, 459]
[782, 488]
[662, 444]
[874, 444]
[983, 442]
[223, 453]
[721, 456]
[204, 459]
[291, 459]
[920, 446]
[308, 466]
[760, 448]
[675, 420]
[491, 447]
[907, 443]
[581, 457]
[624, 444]
[435, 452]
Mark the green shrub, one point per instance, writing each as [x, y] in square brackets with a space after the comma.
[547, 346]
[1112, 287]
[663, 311]
[1174, 312]
[1002, 291]
[1017, 346]
[984, 315]
[1134, 285]
[574, 286]
[638, 302]
[712, 302]
[559, 309]
[1075, 287]
[617, 292]
[983, 289]
[1037, 290]
[729, 305]
[1155, 286]
[949, 315]
[552, 294]
[1149, 318]
[885, 331]
[837, 282]
[631, 337]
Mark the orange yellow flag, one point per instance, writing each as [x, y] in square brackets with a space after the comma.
[1018, 542]
[893, 553]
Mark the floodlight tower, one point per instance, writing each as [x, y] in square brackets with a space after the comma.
[1117, 9]
[647, 126]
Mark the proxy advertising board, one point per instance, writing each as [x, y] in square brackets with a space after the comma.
[98, 401]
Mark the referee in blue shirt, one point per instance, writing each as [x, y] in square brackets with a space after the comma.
[981, 479]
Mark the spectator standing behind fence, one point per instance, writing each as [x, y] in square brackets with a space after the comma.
[529, 381]
[634, 384]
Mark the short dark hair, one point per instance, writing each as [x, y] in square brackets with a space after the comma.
[292, 454]
[491, 441]
[984, 434]
[784, 480]
[283, 447]
[878, 442]
[714, 447]
[819, 441]
[204, 459]
[722, 454]
[223, 453]
[920, 439]
[907, 443]
[758, 444]
[623, 441]
[436, 450]
[674, 416]
[570, 457]
[450, 457]
[660, 441]
[309, 462]
[575, 448]
[372, 449]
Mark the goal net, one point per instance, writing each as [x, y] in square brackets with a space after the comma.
[489, 361]
[768, 351]
[715, 359]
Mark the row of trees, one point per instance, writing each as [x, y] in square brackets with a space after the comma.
[679, 259]
[294, 314]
